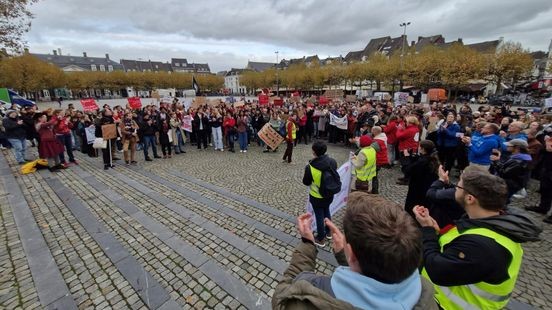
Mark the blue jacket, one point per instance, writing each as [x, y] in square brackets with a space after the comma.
[482, 147]
[521, 135]
[447, 136]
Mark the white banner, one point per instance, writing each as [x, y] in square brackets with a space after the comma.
[187, 103]
[339, 199]
[90, 134]
[340, 123]
[548, 103]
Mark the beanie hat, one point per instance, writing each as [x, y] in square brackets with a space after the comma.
[365, 140]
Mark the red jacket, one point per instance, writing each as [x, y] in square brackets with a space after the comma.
[391, 131]
[406, 138]
[381, 157]
[303, 121]
[63, 127]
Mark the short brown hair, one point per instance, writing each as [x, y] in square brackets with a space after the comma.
[490, 191]
[383, 237]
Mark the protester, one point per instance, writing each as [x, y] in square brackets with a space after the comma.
[312, 177]
[165, 138]
[129, 134]
[514, 169]
[290, 136]
[242, 123]
[365, 164]
[63, 134]
[442, 205]
[423, 172]
[447, 141]
[49, 147]
[215, 122]
[16, 134]
[230, 130]
[178, 135]
[481, 145]
[106, 119]
[545, 181]
[378, 253]
[382, 159]
[475, 264]
[407, 138]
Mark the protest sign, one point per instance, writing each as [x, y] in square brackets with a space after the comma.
[186, 123]
[213, 102]
[400, 98]
[270, 136]
[90, 132]
[279, 102]
[109, 131]
[339, 122]
[134, 103]
[323, 100]
[239, 104]
[187, 103]
[339, 199]
[334, 94]
[548, 103]
[295, 99]
[89, 105]
[351, 98]
[263, 99]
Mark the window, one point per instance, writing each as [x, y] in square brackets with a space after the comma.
[109, 68]
[102, 68]
[93, 67]
[176, 64]
[156, 66]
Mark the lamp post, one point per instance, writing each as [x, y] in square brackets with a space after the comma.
[277, 76]
[404, 25]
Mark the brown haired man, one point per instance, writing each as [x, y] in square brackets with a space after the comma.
[379, 254]
[475, 264]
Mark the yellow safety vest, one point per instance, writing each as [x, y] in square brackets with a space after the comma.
[293, 131]
[480, 295]
[368, 171]
[316, 181]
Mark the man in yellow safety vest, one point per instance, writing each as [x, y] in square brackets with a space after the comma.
[475, 264]
[365, 164]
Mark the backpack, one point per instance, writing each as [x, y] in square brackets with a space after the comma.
[330, 183]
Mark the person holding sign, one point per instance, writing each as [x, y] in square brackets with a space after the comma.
[129, 133]
[106, 119]
[290, 137]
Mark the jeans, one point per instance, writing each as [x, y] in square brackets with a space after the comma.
[67, 141]
[316, 130]
[19, 146]
[149, 140]
[391, 153]
[321, 209]
[230, 139]
[242, 138]
[179, 146]
[217, 137]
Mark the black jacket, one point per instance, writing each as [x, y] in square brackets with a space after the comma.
[514, 170]
[421, 178]
[485, 259]
[14, 130]
[442, 204]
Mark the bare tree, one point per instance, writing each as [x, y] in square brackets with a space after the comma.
[15, 20]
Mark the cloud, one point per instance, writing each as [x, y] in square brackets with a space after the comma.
[249, 29]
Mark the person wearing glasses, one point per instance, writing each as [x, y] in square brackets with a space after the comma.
[475, 263]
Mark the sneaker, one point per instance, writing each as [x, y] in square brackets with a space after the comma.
[156, 156]
[222, 150]
[65, 165]
[127, 162]
[320, 243]
[106, 167]
[266, 151]
[521, 194]
[329, 237]
[536, 209]
[241, 151]
[245, 151]
[74, 162]
[548, 220]
[133, 162]
[148, 159]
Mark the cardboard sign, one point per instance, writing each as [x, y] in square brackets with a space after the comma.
[89, 105]
[199, 102]
[270, 136]
[279, 102]
[295, 99]
[109, 131]
[334, 94]
[134, 103]
[351, 98]
[213, 102]
[186, 123]
[239, 104]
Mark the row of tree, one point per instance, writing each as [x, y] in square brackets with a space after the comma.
[28, 74]
[451, 67]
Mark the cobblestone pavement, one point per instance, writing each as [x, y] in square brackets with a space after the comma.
[204, 229]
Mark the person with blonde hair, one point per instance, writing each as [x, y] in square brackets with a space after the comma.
[408, 137]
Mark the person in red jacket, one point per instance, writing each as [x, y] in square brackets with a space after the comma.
[62, 129]
[230, 131]
[390, 131]
[408, 138]
[290, 137]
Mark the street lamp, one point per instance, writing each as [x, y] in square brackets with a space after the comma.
[277, 76]
[404, 41]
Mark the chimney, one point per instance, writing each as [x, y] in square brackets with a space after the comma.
[55, 52]
[84, 54]
[59, 51]
[107, 56]
[460, 41]
[413, 43]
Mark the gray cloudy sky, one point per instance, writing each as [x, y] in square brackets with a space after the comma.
[229, 33]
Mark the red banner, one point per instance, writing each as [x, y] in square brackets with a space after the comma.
[89, 105]
[263, 99]
[279, 102]
[323, 100]
[135, 103]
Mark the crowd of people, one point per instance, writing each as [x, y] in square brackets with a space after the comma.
[443, 229]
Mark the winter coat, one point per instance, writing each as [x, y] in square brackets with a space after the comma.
[421, 178]
[13, 130]
[514, 171]
[446, 136]
[301, 289]
[408, 138]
